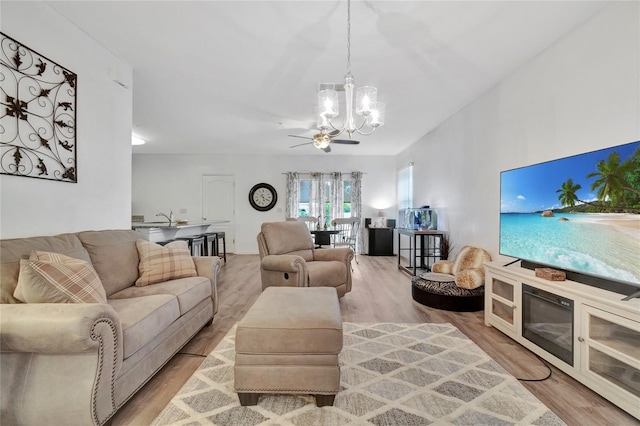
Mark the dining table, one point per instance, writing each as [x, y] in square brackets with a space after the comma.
[323, 236]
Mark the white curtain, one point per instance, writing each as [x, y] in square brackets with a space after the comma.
[316, 196]
[337, 195]
[356, 205]
[293, 194]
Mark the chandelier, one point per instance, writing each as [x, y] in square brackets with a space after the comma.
[366, 105]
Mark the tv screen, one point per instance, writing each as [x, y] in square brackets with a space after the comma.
[580, 214]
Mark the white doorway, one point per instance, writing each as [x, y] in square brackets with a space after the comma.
[218, 204]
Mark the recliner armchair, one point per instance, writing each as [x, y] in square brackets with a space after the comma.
[288, 259]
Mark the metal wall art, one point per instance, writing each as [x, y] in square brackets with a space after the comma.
[38, 117]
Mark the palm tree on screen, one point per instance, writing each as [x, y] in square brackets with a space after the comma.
[567, 193]
[610, 180]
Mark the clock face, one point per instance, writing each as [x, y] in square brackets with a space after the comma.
[263, 197]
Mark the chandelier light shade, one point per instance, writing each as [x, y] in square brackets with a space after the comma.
[366, 102]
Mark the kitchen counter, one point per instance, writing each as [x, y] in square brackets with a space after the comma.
[162, 231]
[165, 225]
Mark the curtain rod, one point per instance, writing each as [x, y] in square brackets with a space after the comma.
[344, 173]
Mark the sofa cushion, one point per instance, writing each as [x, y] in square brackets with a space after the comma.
[143, 318]
[56, 278]
[12, 250]
[114, 256]
[189, 291]
[162, 263]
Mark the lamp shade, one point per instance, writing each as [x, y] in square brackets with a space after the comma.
[380, 213]
[366, 96]
[376, 117]
[328, 103]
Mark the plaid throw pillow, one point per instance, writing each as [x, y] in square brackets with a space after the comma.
[159, 264]
[56, 278]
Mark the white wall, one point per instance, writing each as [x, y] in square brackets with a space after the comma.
[581, 94]
[163, 182]
[102, 197]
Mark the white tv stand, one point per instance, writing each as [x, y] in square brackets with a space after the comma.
[606, 347]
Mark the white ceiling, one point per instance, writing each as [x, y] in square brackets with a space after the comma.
[239, 76]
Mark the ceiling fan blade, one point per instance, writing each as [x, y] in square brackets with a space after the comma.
[345, 141]
[333, 133]
[327, 149]
[300, 144]
[301, 137]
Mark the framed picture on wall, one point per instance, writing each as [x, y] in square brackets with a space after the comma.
[37, 116]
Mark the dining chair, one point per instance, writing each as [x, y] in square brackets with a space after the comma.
[347, 236]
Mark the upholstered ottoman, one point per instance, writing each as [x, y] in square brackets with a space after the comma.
[288, 342]
[441, 292]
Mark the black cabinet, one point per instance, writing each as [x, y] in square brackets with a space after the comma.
[380, 241]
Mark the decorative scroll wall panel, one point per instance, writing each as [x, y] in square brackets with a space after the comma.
[38, 116]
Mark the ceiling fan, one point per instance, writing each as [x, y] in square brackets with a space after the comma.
[323, 140]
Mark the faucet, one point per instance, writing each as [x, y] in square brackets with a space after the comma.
[169, 218]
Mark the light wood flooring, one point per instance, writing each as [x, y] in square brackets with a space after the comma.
[381, 293]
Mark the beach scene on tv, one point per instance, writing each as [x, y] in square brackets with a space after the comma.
[579, 213]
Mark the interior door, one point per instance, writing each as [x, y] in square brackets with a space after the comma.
[218, 205]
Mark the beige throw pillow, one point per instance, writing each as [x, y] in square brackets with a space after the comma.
[162, 263]
[55, 278]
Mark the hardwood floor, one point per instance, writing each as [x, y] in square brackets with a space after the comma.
[381, 293]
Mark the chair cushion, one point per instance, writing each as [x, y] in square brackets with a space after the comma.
[143, 318]
[189, 291]
[286, 237]
[163, 263]
[470, 258]
[55, 278]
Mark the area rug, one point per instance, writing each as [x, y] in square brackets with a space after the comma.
[391, 374]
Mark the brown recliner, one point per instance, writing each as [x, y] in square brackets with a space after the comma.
[288, 259]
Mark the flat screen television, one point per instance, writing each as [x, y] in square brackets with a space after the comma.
[580, 214]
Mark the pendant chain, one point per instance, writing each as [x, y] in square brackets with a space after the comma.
[348, 36]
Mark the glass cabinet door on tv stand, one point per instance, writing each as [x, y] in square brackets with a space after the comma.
[500, 302]
[610, 353]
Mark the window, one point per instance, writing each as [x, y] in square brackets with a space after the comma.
[405, 187]
[305, 207]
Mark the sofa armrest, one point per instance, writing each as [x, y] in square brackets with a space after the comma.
[283, 263]
[343, 254]
[209, 266]
[59, 362]
[56, 327]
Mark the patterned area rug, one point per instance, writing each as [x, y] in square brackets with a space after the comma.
[391, 374]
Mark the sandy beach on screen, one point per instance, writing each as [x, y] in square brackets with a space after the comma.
[625, 222]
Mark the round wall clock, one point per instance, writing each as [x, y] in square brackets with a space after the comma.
[263, 197]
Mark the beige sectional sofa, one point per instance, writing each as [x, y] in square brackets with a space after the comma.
[77, 363]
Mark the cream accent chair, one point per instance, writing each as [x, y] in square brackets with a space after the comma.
[467, 267]
[288, 259]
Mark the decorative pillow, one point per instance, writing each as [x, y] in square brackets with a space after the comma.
[55, 278]
[162, 263]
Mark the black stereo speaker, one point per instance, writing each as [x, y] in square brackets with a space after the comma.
[391, 223]
[367, 222]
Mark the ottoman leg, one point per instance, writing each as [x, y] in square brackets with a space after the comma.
[248, 398]
[325, 400]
